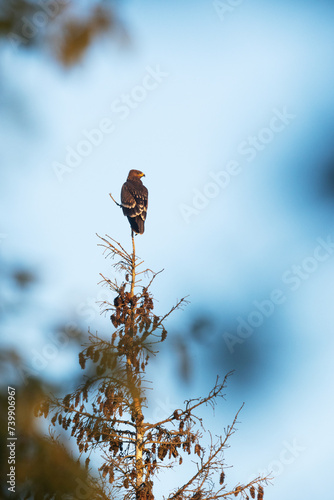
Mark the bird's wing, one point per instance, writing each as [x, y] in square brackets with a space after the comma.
[134, 199]
[145, 202]
[127, 199]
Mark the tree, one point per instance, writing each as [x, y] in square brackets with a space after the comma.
[106, 413]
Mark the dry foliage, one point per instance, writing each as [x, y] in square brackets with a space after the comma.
[106, 413]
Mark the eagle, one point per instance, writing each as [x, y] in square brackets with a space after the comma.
[134, 200]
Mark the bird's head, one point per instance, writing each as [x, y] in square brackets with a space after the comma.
[135, 174]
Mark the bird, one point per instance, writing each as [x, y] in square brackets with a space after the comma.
[134, 200]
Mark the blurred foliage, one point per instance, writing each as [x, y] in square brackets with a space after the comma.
[66, 28]
[211, 344]
[24, 277]
[326, 188]
[43, 468]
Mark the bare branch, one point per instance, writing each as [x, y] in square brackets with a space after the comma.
[118, 204]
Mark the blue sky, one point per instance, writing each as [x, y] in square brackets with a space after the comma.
[222, 83]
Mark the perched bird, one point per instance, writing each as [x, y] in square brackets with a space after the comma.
[134, 199]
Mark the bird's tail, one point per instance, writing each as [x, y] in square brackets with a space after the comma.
[137, 224]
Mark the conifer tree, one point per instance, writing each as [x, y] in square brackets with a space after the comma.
[106, 414]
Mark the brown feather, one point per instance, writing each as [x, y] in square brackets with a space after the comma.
[134, 199]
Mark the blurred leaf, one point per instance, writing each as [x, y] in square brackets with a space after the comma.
[43, 468]
[24, 278]
[67, 28]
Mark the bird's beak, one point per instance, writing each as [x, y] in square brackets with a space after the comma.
[142, 175]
